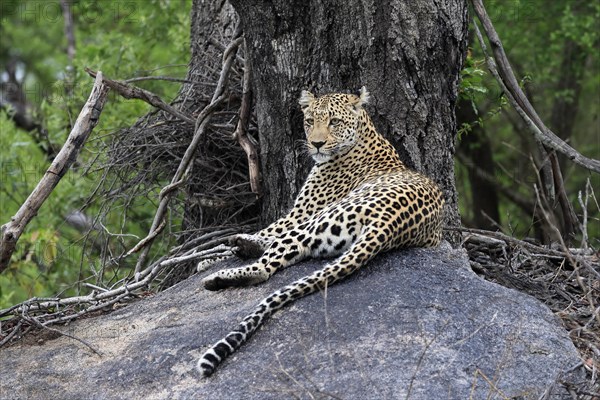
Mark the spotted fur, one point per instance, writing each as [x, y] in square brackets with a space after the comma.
[359, 200]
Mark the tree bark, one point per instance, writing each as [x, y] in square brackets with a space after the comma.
[408, 54]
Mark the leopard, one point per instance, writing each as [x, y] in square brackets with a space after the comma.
[358, 201]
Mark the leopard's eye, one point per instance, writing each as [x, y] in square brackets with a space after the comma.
[309, 121]
[335, 121]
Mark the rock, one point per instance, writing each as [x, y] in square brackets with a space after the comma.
[414, 324]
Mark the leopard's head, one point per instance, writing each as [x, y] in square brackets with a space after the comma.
[331, 122]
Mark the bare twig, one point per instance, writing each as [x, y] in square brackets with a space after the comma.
[38, 324]
[294, 380]
[508, 82]
[86, 121]
[204, 118]
[12, 333]
[568, 213]
[422, 358]
[479, 372]
[224, 235]
[165, 78]
[584, 210]
[241, 130]
[147, 239]
[544, 212]
[186, 162]
[106, 298]
[132, 92]
[509, 239]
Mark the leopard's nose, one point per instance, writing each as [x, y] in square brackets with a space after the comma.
[318, 145]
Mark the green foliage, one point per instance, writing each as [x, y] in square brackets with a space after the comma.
[472, 74]
[124, 39]
[475, 88]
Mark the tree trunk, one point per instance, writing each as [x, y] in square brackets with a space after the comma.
[408, 54]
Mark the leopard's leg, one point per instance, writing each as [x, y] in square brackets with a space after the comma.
[316, 237]
[254, 245]
[281, 253]
[205, 264]
[369, 243]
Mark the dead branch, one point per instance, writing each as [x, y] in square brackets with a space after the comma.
[147, 239]
[57, 309]
[86, 121]
[165, 78]
[33, 321]
[132, 92]
[16, 329]
[493, 385]
[193, 244]
[535, 249]
[552, 181]
[241, 130]
[509, 84]
[186, 162]
[568, 213]
[544, 211]
[584, 209]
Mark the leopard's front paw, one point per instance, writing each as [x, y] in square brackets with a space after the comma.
[234, 277]
[216, 283]
[248, 246]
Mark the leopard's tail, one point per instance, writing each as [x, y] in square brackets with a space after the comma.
[234, 339]
[349, 262]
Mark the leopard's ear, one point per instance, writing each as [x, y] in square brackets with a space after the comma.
[361, 99]
[306, 98]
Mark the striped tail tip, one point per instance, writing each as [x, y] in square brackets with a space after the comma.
[206, 368]
[208, 363]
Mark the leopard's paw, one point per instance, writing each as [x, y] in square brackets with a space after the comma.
[235, 277]
[216, 283]
[248, 246]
